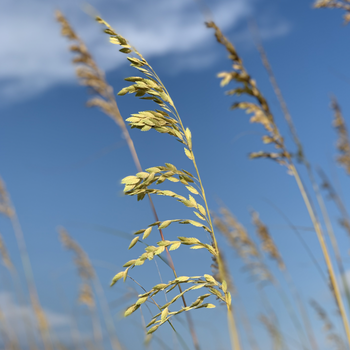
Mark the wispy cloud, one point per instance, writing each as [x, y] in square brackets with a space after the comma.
[16, 314]
[34, 57]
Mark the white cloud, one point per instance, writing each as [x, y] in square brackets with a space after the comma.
[34, 56]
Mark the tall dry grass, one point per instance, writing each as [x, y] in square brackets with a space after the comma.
[90, 75]
[167, 120]
[219, 283]
[262, 115]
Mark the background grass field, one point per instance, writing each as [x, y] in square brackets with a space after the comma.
[63, 164]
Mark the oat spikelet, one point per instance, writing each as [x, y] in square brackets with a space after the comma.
[85, 269]
[260, 110]
[267, 243]
[328, 327]
[339, 4]
[343, 144]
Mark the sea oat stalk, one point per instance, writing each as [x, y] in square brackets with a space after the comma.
[90, 75]
[167, 120]
[343, 159]
[344, 148]
[262, 114]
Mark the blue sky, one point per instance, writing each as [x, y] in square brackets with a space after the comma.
[62, 163]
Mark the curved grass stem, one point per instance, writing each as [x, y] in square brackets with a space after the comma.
[106, 92]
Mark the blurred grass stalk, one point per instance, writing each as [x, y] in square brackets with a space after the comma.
[240, 240]
[262, 114]
[344, 159]
[28, 327]
[88, 275]
[8, 210]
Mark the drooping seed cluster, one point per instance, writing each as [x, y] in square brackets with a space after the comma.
[165, 119]
[260, 110]
[89, 74]
[267, 243]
